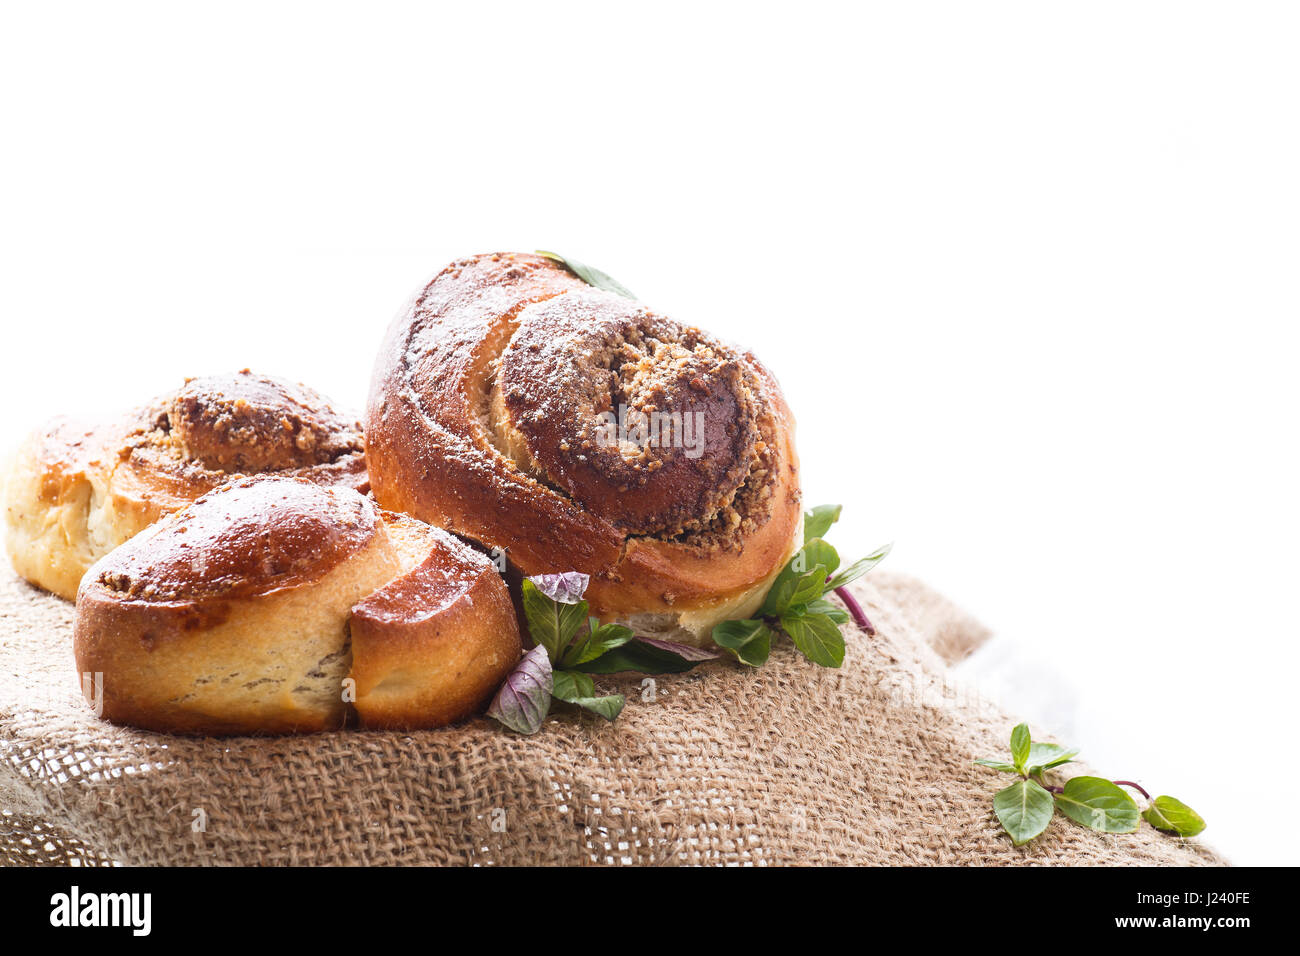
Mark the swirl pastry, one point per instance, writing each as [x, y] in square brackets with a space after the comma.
[274, 605]
[77, 491]
[516, 405]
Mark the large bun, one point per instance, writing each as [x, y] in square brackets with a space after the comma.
[576, 429]
[274, 605]
[76, 491]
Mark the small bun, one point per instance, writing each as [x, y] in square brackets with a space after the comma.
[251, 424]
[435, 643]
[78, 490]
[274, 605]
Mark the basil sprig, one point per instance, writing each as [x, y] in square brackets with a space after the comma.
[1026, 807]
[571, 646]
[588, 274]
[796, 604]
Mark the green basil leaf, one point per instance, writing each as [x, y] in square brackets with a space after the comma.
[1099, 804]
[859, 568]
[830, 609]
[1020, 744]
[808, 587]
[1046, 756]
[524, 697]
[778, 595]
[580, 690]
[749, 641]
[648, 657]
[818, 551]
[1001, 765]
[608, 707]
[818, 521]
[816, 636]
[551, 624]
[588, 274]
[600, 639]
[571, 685]
[1174, 816]
[1024, 809]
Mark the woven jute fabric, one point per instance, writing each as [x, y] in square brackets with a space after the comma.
[789, 764]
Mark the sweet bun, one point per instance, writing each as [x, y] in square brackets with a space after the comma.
[276, 605]
[75, 491]
[433, 644]
[577, 430]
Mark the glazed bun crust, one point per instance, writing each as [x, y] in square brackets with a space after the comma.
[434, 644]
[494, 412]
[55, 525]
[77, 490]
[234, 616]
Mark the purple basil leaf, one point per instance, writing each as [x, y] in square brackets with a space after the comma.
[567, 587]
[525, 697]
[682, 650]
[648, 656]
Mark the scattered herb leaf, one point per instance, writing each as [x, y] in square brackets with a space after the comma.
[608, 707]
[859, 567]
[588, 274]
[749, 641]
[1099, 804]
[818, 521]
[1020, 746]
[1025, 810]
[573, 645]
[567, 587]
[1173, 816]
[1094, 802]
[599, 639]
[817, 636]
[524, 698]
[1001, 765]
[551, 623]
[1047, 756]
[570, 685]
[796, 605]
[647, 657]
[570, 647]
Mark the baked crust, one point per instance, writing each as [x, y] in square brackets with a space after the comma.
[274, 605]
[76, 490]
[434, 644]
[486, 389]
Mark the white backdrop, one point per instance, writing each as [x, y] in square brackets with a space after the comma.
[1027, 273]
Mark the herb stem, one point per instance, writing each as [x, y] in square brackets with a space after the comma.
[1047, 786]
[1136, 786]
[855, 609]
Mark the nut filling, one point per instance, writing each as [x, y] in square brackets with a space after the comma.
[244, 424]
[594, 392]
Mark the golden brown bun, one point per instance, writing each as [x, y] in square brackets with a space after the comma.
[491, 412]
[271, 604]
[434, 644]
[75, 491]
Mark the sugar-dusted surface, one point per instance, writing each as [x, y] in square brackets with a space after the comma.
[483, 406]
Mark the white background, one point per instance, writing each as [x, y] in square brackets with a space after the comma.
[1028, 273]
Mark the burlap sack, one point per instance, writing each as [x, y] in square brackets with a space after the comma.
[790, 764]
